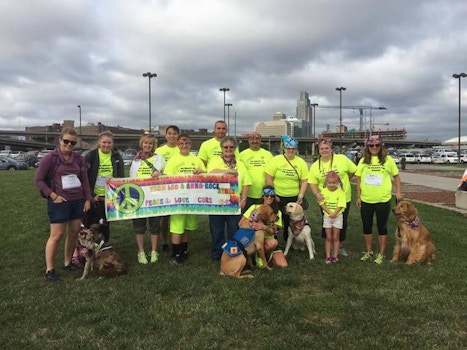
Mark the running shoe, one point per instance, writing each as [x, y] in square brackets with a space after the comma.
[367, 256]
[154, 257]
[379, 259]
[142, 258]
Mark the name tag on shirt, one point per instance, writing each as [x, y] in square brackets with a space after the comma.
[373, 180]
[100, 181]
[70, 181]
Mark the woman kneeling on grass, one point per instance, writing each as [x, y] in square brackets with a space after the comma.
[68, 197]
[270, 229]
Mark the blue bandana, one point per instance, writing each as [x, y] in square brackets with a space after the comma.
[289, 142]
[268, 192]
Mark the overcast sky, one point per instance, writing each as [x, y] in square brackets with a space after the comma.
[57, 54]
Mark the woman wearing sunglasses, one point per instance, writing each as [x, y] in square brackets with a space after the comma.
[62, 177]
[374, 193]
[227, 164]
[345, 168]
[270, 229]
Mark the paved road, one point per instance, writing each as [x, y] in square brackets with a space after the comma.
[442, 183]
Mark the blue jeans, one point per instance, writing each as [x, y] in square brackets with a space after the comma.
[217, 225]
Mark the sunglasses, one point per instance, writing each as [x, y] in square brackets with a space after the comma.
[228, 147]
[269, 196]
[374, 146]
[66, 142]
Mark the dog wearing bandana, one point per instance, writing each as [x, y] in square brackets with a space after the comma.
[413, 241]
[299, 231]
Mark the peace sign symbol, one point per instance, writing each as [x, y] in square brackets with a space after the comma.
[128, 198]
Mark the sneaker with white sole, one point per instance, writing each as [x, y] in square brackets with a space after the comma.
[367, 256]
[142, 258]
[379, 259]
[154, 257]
[343, 252]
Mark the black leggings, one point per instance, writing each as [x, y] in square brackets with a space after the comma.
[382, 211]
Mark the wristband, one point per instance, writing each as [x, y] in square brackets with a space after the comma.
[53, 200]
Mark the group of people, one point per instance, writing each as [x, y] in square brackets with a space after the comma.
[75, 188]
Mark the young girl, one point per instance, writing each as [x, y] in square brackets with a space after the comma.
[333, 204]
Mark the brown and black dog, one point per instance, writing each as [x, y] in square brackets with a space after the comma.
[245, 243]
[413, 241]
[99, 254]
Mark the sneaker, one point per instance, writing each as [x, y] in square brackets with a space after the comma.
[70, 267]
[259, 262]
[334, 260]
[367, 256]
[184, 255]
[142, 258]
[343, 252]
[329, 260]
[379, 259]
[154, 257]
[177, 260]
[50, 276]
[165, 247]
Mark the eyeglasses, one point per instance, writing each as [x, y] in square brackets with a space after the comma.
[66, 142]
[374, 146]
[269, 196]
[228, 147]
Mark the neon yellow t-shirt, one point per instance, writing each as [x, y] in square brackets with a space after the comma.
[342, 165]
[211, 148]
[285, 178]
[376, 179]
[180, 164]
[243, 177]
[255, 162]
[167, 152]
[333, 199]
[105, 170]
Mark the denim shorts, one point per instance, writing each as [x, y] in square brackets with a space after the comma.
[65, 211]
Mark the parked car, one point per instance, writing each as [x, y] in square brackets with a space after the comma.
[127, 158]
[409, 157]
[422, 158]
[7, 163]
[446, 158]
[463, 158]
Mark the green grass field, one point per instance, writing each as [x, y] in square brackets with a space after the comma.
[309, 305]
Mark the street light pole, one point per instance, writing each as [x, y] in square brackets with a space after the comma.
[459, 76]
[224, 89]
[228, 116]
[80, 131]
[149, 75]
[313, 105]
[340, 89]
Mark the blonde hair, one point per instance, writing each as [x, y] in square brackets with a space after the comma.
[148, 137]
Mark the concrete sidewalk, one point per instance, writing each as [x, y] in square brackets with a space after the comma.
[439, 182]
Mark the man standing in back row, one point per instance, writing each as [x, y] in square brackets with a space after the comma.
[212, 147]
[255, 159]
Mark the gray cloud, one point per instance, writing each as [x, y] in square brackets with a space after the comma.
[56, 55]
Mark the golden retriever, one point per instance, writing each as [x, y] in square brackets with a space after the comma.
[99, 255]
[245, 243]
[413, 241]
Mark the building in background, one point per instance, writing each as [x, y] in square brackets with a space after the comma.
[304, 111]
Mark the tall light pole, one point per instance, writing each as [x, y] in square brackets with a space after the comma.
[459, 76]
[228, 116]
[224, 89]
[340, 89]
[149, 75]
[80, 131]
[313, 105]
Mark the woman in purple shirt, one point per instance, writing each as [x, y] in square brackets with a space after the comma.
[63, 179]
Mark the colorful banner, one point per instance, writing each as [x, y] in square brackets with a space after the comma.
[131, 198]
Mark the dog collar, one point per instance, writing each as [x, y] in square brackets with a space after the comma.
[413, 224]
[102, 245]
